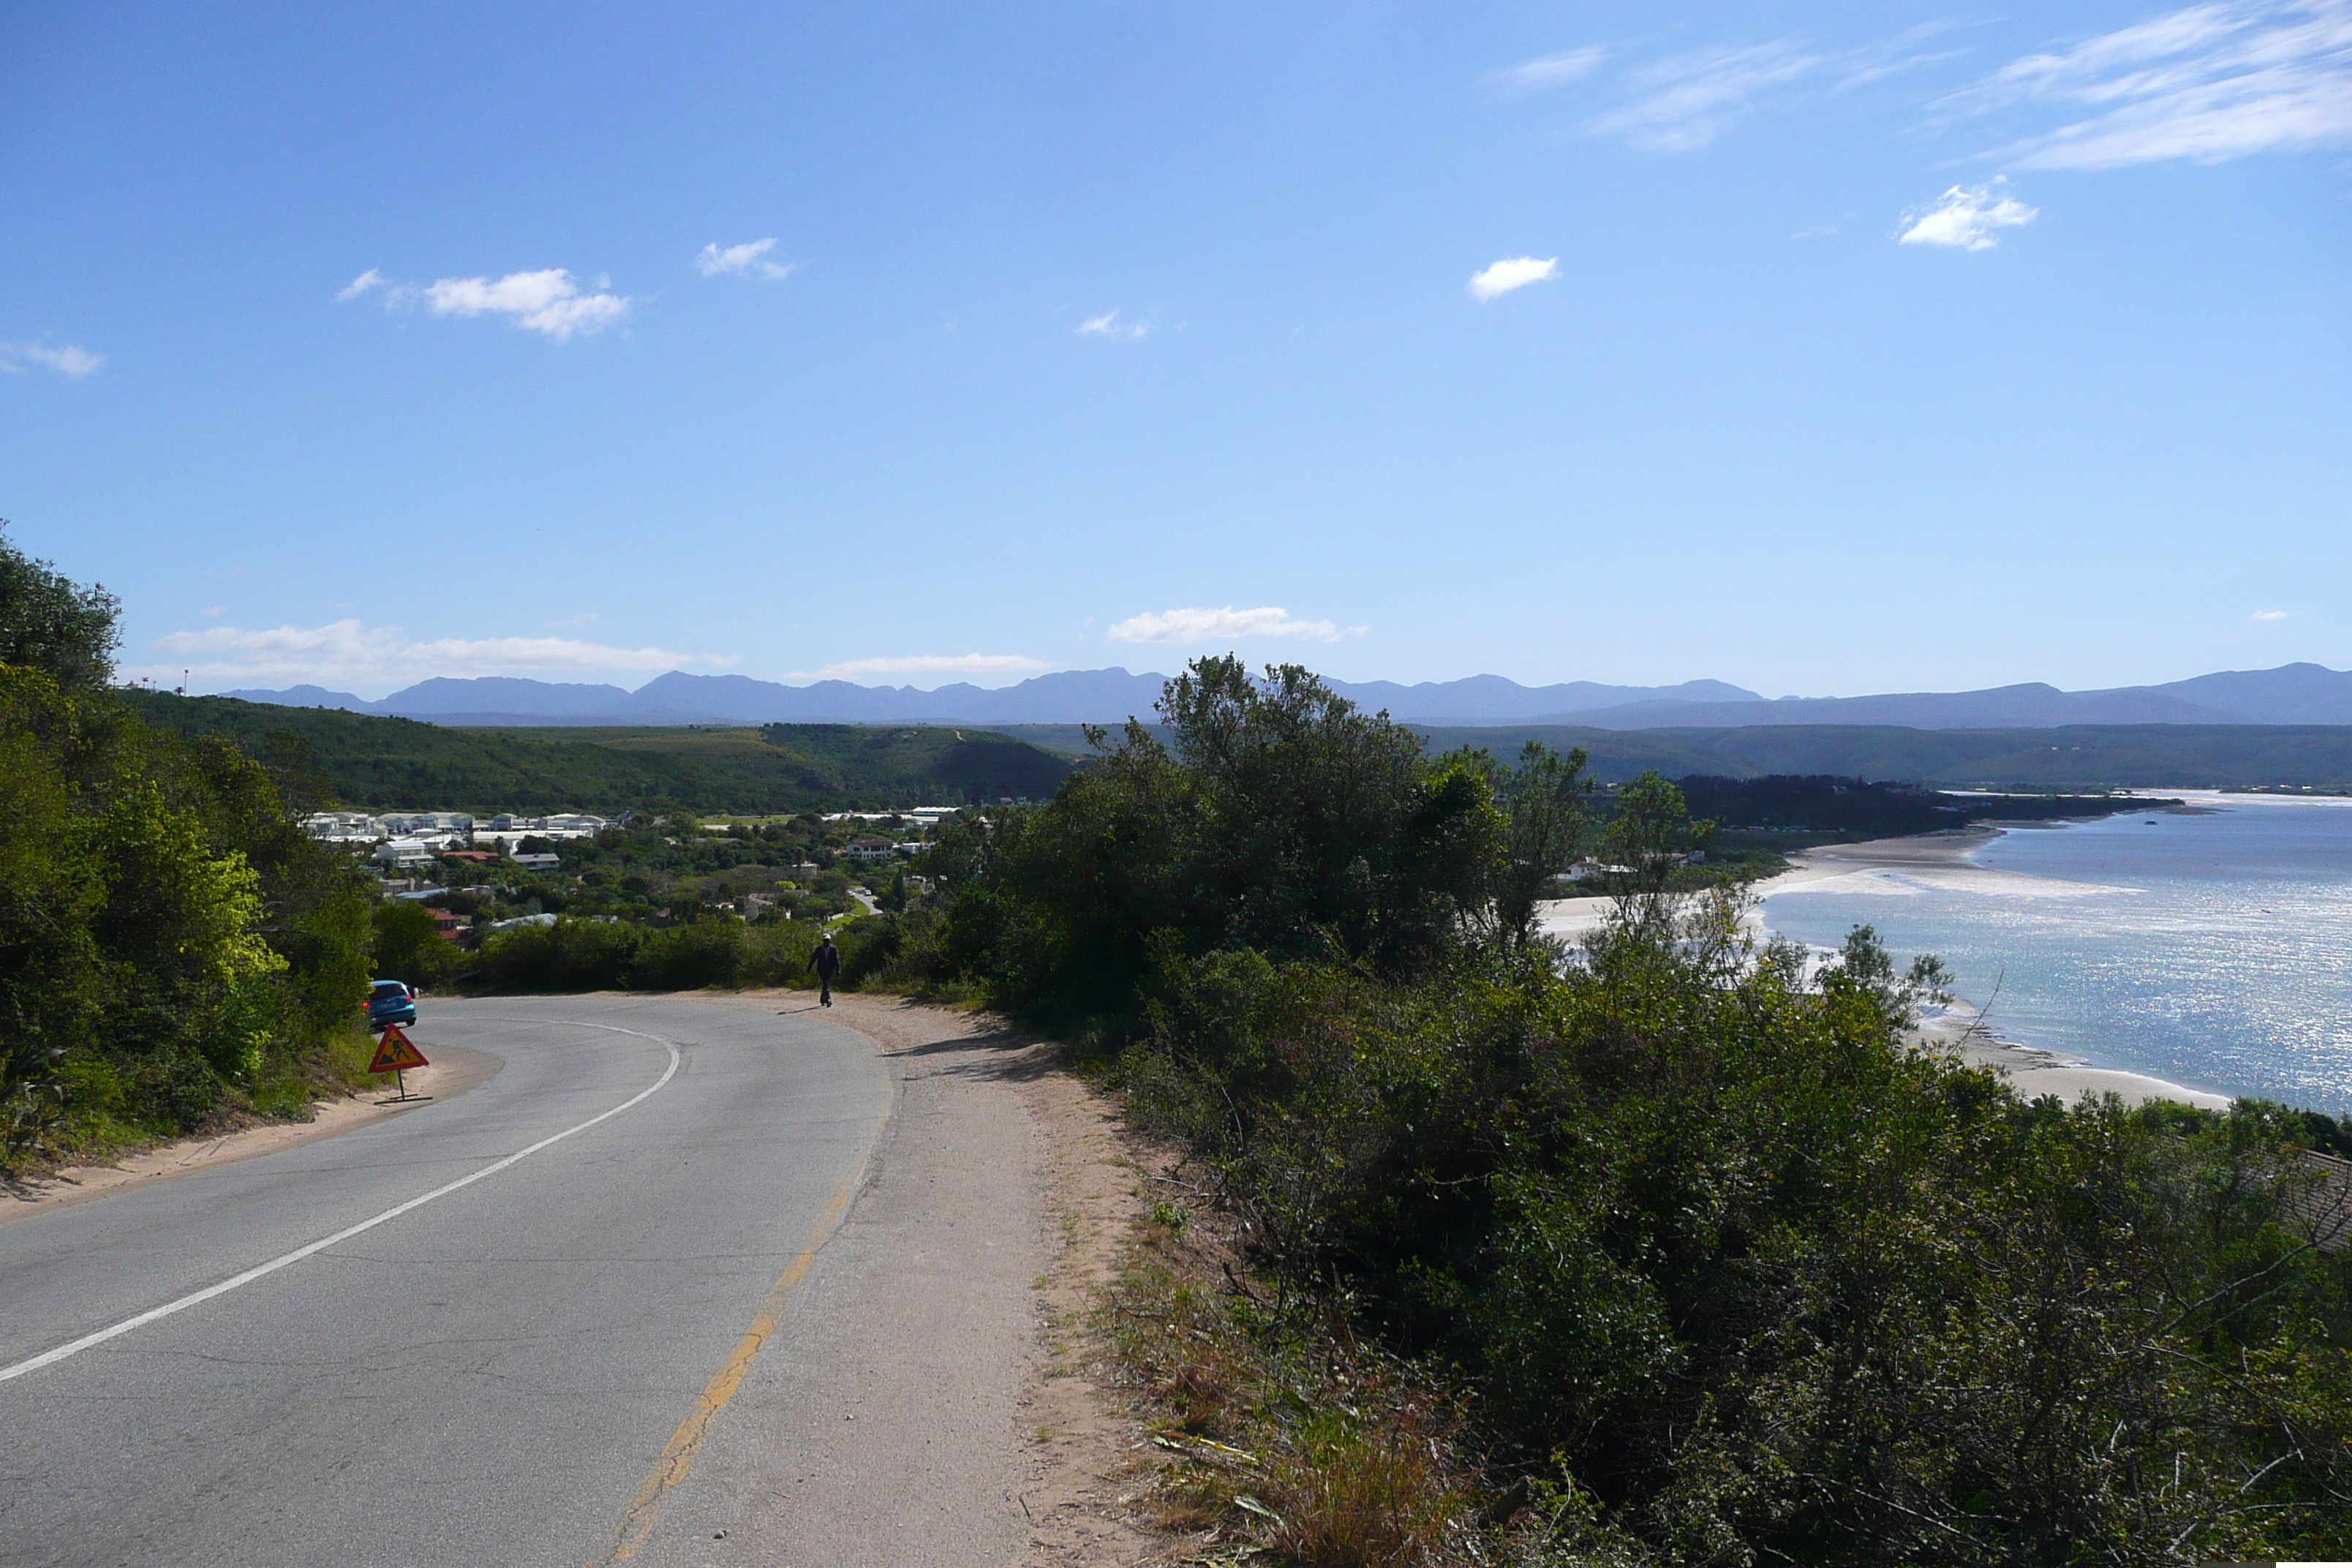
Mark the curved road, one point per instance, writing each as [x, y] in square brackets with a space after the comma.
[611, 1330]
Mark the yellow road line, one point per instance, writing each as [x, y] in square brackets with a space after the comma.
[685, 1443]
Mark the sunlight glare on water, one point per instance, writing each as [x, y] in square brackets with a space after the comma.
[2214, 949]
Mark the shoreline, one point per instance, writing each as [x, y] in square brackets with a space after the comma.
[2033, 1071]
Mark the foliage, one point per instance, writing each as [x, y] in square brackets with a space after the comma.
[2068, 759]
[171, 945]
[1734, 1274]
[407, 945]
[601, 954]
[374, 763]
[1714, 1247]
[51, 623]
[1857, 807]
[1276, 819]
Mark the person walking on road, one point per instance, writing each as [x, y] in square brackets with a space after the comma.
[827, 962]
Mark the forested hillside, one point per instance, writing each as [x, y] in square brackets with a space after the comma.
[375, 762]
[2079, 757]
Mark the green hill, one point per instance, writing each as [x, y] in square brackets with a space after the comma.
[2080, 757]
[374, 763]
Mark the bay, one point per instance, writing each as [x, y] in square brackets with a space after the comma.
[2211, 947]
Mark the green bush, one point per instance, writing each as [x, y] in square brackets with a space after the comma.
[169, 940]
[867, 947]
[689, 957]
[776, 952]
[408, 946]
[569, 955]
[1771, 1286]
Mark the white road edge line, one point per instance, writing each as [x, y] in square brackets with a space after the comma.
[50, 1358]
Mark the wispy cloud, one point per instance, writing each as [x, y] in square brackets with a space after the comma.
[352, 652]
[2208, 83]
[1108, 325]
[1965, 219]
[1515, 272]
[2270, 615]
[1548, 71]
[550, 302]
[1687, 101]
[749, 260]
[928, 663]
[66, 359]
[1202, 626]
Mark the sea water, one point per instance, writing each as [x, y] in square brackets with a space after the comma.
[2211, 947]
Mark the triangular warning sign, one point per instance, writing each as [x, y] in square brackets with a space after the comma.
[394, 1054]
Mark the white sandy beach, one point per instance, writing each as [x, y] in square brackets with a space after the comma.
[1942, 859]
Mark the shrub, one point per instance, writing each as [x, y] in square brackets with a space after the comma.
[569, 955]
[689, 957]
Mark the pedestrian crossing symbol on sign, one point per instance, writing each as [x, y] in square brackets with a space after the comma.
[394, 1054]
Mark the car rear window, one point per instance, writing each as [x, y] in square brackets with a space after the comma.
[385, 988]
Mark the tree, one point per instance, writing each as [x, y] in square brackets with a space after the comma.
[1543, 798]
[1650, 833]
[409, 945]
[53, 625]
[1279, 819]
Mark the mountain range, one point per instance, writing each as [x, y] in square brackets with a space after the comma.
[2291, 694]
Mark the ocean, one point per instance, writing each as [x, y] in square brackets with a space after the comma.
[2210, 947]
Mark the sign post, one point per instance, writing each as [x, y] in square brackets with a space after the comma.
[396, 1054]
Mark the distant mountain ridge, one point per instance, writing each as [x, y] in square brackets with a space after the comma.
[1066, 697]
[2290, 694]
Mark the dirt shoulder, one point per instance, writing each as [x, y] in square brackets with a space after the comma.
[1077, 1435]
[454, 1071]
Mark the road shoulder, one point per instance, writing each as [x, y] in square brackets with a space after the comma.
[977, 1095]
[454, 1071]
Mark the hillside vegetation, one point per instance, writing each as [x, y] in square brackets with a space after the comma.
[375, 763]
[174, 949]
[1707, 1265]
[2077, 757]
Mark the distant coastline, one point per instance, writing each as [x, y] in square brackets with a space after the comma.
[1961, 1029]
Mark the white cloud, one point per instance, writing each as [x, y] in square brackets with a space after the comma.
[749, 260]
[66, 359]
[1200, 625]
[1550, 70]
[2208, 83]
[1108, 325]
[1516, 272]
[2271, 614]
[546, 302]
[909, 664]
[1686, 102]
[1965, 217]
[353, 653]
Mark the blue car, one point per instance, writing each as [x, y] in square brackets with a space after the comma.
[390, 1001]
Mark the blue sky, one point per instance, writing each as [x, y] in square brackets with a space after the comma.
[1825, 350]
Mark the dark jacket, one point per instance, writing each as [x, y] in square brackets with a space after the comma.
[826, 959]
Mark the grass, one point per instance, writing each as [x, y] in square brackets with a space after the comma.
[1275, 1429]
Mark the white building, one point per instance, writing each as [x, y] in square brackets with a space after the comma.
[403, 852]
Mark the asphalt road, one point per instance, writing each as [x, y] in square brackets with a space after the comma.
[612, 1329]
